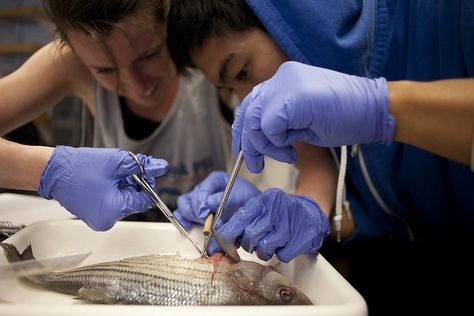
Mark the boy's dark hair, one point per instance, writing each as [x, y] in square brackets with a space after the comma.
[192, 22]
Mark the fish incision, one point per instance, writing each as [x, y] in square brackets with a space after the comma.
[170, 280]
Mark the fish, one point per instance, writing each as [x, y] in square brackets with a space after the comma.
[170, 280]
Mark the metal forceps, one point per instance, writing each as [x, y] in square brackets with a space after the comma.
[223, 200]
[159, 203]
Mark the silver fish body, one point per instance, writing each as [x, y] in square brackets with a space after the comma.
[174, 280]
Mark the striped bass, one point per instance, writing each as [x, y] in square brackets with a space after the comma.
[170, 280]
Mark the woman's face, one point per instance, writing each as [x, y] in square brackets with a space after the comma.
[133, 59]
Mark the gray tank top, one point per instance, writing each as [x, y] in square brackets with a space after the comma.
[194, 137]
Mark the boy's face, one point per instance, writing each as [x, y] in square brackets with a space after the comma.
[239, 60]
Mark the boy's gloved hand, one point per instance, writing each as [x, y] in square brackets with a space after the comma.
[95, 183]
[195, 205]
[315, 105]
[275, 222]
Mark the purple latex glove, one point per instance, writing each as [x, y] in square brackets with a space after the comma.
[275, 222]
[95, 183]
[315, 105]
[194, 206]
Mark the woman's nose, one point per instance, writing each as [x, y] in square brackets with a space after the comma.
[136, 82]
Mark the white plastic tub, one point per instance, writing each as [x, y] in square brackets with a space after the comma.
[313, 274]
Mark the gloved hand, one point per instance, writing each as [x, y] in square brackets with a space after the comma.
[315, 105]
[95, 183]
[195, 205]
[275, 222]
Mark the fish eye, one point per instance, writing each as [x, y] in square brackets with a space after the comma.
[286, 294]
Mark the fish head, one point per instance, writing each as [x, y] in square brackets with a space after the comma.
[266, 286]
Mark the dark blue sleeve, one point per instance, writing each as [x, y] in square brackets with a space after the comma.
[336, 34]
[417, 40]
[431, 40]
[467, 34]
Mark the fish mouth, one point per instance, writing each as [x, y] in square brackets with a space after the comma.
[303, 299]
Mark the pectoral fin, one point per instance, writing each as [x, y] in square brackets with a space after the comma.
[96, 296]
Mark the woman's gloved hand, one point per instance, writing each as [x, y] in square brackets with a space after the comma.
[95, 184]
[315, 105]
[275, 222]
[194, 206]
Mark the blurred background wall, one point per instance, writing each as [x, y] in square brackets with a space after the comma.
[23, 30]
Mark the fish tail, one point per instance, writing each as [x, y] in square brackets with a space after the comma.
[13, 255]
[11, 252]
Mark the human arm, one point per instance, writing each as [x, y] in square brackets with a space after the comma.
[21, 165]
[275, 222]
[330, 109]
[300, 224]
[317, 179]
[94, 184]
[436, 116]
[48, 76]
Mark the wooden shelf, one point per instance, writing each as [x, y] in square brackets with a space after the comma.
[19, 48]
[21, 12]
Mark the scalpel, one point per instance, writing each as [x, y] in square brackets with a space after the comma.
[225, 196]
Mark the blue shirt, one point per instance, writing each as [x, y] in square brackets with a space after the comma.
[424, 196]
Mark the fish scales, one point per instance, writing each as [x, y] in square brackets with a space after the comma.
[171, 280]
[161, 280]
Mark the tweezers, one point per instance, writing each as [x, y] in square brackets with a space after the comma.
[159, 202]
[223, 200]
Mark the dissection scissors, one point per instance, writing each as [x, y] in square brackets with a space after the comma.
[159, 202]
